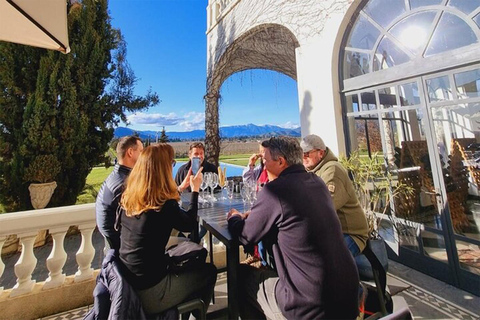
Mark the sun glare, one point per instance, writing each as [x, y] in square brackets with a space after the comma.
[413, 37]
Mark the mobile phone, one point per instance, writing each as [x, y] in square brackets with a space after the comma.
[195, 165]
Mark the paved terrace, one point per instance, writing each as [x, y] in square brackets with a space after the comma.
[427, 298]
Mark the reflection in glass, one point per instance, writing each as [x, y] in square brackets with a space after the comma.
[434, 246]
[423, 3]
[439, 89]
[468, 84]
[465, 6]
[451, 33]
[350, 105]
[469, 255]
[365, 134]
[388, 55]
[356, 64]
[368, 101]
[384, 14]
[412, 31]
[364, 35]
[388, 99]
[409, 94]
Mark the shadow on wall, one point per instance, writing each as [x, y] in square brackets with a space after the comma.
[305, 111]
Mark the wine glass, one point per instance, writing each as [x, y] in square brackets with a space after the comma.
[214, 184]
[203, 186]
[245, 193]
[208, 177]
[230, 188]
[222, 182]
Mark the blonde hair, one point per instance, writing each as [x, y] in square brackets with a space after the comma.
[150, 184]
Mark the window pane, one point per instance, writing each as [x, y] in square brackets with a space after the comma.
[364, 134]
[434, 246]
[364, 35]
[384, 12]
[356, 64]
[368, 101]
[468, 84]
[421, 3]
[439, 89]
[477, 20]
[409, 94]
[388, 55]
[388, 98]
[451, 33]
[465, 6]
[469, 255]
[351, 102]
[412, 31]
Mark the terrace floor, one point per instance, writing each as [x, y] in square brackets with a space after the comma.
[426, 297]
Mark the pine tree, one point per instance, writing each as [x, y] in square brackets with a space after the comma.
[64, 105]
[163, 136]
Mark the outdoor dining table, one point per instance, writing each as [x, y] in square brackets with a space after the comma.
[213, 217]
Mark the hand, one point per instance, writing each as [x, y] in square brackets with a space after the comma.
[186, 182]
[196, 181]
[235, 212]
[253, 159]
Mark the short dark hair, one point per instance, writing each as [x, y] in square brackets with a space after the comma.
[286, 147]
[125, 143]
[197, 145]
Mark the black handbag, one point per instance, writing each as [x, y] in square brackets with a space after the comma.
[186, 255]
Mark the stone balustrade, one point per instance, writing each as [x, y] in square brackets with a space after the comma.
[216, 10]
[27, 224]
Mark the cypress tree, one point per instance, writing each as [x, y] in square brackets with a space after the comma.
[63, 106]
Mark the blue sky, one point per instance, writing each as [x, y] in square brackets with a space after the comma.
[166, 48]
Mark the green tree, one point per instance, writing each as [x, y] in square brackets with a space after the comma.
[163, 136]
[63, 106]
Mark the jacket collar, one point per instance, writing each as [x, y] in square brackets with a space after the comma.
[329, 156]
[294, 168]
[122, 169]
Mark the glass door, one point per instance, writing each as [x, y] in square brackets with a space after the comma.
[453, 102]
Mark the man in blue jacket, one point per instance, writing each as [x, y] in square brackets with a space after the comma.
[108, 198]
[315, 274]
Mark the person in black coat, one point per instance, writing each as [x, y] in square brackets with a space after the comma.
[128, 150]
[315, 275]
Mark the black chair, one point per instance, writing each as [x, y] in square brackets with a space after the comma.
[385, 303]
[185, 308]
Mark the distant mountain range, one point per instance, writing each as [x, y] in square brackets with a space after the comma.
[249, 130]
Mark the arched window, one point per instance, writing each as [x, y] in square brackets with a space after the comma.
[394, 32]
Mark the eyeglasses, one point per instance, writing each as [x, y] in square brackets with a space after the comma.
[307, 154]
[174, 163]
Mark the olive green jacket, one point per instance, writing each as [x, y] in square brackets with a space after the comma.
[350, 213]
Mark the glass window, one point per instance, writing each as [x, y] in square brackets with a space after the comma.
[451, 33]
[465, 6]
[423, 3]
[409, 94]
[388, 55]
[364, 134]
[364, 35]
[468, 84]
[384, 14]
[351, 102]
[477, 19]
[439, 89]
[413, 31]
[388, 98]
[434, 246]
[368, 101]
[469, 254]
[356, 64]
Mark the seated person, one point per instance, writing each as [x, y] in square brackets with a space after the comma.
[319, 159]
[149, 212]
[315, 275]
[256, 173]
[197, 149]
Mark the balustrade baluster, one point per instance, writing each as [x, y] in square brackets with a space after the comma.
[2, 265]
[56, 260]
[25, 266]
[85, 254]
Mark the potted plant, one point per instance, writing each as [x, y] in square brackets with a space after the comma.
[42, 172]
[378, 191]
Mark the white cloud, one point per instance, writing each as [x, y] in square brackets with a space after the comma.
[289, 125]
[187, 122]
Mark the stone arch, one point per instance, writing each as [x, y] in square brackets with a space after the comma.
[265, 46]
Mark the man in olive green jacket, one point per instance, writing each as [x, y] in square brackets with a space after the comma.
[317, 158]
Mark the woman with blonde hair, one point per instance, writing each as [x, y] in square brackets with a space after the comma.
[150, 210]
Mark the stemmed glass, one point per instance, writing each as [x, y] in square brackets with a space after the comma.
[203, 186]
[230, 188]
[208, 177]
[214, 184]
[222, 182]
[245, 193]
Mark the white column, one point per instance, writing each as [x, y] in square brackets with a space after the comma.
[85, 254]
[56, 260]
[2, 265]
[25, 266]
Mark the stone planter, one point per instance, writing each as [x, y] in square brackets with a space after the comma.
[41, 193]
